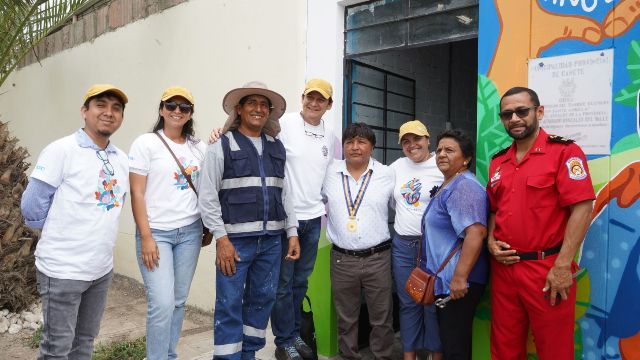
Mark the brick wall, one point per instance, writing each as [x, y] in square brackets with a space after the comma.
[85, 27]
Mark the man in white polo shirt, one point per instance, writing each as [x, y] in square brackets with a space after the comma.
[75, 194]
[359, 191]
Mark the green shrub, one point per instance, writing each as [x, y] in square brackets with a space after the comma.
[34, 340]
[122, 350]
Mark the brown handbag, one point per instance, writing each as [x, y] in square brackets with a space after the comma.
[207, 237]
[420, 284]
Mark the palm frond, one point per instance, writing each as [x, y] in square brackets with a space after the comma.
[23, 24]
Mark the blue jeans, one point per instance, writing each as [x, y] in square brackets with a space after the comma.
[244, 299]
[418, 323]
[72, 311]
[293, 284]
[167, 286]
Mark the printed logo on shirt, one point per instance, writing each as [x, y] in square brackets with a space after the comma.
[411, 192]
[108, 192]
[576, 169]
[325, 150]
[40, 167]
[191, 170]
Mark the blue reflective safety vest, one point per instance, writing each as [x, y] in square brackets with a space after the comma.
[251, 190]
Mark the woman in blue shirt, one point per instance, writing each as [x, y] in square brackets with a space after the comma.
[457, 215]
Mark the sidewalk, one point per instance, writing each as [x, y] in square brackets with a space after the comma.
[125, 314]
[124, 318]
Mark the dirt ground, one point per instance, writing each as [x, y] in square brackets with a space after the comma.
[124, 318]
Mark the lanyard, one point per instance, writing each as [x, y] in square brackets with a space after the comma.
[353, 206]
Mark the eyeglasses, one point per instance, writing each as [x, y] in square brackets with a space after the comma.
[106, 165]
[184, 107]
[520, 112]
[311, 133]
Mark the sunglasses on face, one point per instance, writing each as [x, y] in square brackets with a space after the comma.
[520, 112]
[184, 108]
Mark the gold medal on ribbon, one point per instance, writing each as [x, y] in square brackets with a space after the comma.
[352, 225]
[353, 206]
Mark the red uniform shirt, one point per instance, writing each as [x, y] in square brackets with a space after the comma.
[531, 199]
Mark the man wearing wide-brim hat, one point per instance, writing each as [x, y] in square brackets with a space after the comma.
[243, 202]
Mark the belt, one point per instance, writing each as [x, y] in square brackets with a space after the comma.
[365, 252]
[539, 255]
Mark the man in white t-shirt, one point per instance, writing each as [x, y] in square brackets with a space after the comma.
[75, 194]
[309, 142]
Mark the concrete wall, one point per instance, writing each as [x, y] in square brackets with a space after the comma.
[207, 46]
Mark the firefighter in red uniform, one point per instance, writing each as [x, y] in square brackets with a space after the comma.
[541, 196]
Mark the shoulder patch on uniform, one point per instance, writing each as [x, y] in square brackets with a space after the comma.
[576, 168]
[501, 152]
[559, 139]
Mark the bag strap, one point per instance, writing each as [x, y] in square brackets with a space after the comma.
[184, 173]
[422, 223]
[449, 258]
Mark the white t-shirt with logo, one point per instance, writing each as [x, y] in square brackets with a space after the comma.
[82, 224]
[414, 181]
[308, 157]
[170, 201]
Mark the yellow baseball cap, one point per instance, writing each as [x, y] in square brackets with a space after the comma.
[177, 91]
[413, 127]
[98, 89]
[319, 85]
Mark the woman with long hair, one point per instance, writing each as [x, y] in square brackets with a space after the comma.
[165, 209]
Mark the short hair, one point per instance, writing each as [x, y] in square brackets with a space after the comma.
[519, 89]
[106, 94]
[467, 146]
[245, 98]
[329, 100]
[358, 129]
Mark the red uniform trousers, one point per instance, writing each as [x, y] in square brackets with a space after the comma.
[517, 301]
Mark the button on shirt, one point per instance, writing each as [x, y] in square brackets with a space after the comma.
[373, 214]
[531, 198]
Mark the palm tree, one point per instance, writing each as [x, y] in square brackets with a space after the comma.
[23, 24]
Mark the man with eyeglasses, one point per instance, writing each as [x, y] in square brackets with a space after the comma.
[541, 196]
[309, 143]
[75, 194]
[245, 202]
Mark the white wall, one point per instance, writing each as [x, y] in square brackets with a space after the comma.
[208, 46]
[325, 51]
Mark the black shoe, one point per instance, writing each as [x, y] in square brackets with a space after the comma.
[303, 349]
[287, 353]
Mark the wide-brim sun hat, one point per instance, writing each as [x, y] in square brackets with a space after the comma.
[233, 97]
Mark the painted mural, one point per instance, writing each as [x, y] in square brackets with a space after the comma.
[513, 31]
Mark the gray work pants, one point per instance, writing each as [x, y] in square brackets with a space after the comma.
[371, 275]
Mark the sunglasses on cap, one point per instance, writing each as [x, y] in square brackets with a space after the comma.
[520, 112]
[184, 107]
